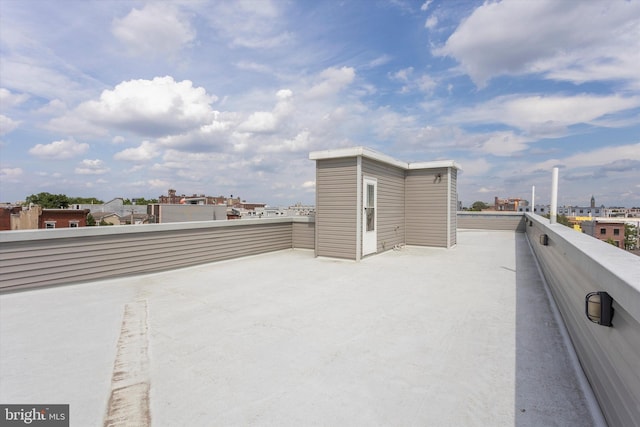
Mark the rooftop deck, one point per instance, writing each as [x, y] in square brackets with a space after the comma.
[420, 336]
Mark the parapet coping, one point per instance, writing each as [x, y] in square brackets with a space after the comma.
[621, 264]
[61, 233]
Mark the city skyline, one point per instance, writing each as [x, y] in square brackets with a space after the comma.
[102, 99]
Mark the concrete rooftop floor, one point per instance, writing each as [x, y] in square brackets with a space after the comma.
[420, 336]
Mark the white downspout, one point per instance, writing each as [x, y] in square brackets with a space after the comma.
[554, 196]
[358, 208]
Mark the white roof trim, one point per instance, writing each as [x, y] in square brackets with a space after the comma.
[375, 155]
[435, 164]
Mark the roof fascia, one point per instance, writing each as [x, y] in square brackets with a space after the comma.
[355, 152]
[375, 155]
[435, 164]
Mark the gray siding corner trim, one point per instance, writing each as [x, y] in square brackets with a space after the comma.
[574, 264]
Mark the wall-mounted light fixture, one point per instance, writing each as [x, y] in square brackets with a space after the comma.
[438, 178]
[530, 223]
[544, 240]
[599, 308]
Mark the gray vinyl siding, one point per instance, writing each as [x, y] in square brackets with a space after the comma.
[336, 207]
[182, 213]
[304, 235]
[453, 208]
[53, 261]
[492, 221]
[390, 204]
[573, 265]
[426, 207]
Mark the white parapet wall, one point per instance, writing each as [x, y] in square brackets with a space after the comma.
[33, 258]
[573, 265]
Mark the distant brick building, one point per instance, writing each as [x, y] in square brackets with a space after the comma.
[63, 218]
[509, 205]
[605, 230]
[195, 199]
[200, 199]
[34, 217]
[5, 216]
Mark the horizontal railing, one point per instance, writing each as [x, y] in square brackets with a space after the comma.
[32, 258]
[573, 265]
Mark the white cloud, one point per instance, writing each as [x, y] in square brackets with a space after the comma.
[118, 139]
[575, 41]
[267, 121]
[431, 22]
[402, 75]
[380, 60]
[10, 174]
[55, 107]
[157, 29]
[91, 167]
[260, 121]
[596, 158]
[300, 143]
[59, 150]
[423, 83]
[545, 115]
[9, 99]
[250, 24]
[7, 124]
[475, 167]
[505, 143]
[332, 80]
[145, 151]
[155, 107]
[158, 183]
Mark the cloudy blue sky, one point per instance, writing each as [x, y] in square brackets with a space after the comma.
[128, 99]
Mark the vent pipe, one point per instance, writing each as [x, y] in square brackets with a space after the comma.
[554, 196]
[533, 198]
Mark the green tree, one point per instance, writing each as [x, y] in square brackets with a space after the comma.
[48, 200]
[611, 241]
[140, 201]
[85, 201]
[91, 221]
[630, 236]
[478, 206]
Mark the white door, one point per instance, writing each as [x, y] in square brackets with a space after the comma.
[369, 216]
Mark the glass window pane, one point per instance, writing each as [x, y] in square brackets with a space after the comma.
[371, 219]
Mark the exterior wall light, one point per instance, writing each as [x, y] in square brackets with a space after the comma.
[544, 240]
[599, 308]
